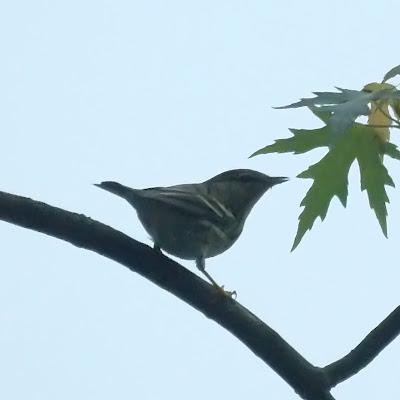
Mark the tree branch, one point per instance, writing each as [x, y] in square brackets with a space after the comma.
[307, 380]
[366, 351]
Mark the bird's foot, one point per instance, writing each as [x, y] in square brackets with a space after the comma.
[226, 293]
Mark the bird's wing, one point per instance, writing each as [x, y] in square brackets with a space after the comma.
[189, 199]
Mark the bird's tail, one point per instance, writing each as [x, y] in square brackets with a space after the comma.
[117, 189]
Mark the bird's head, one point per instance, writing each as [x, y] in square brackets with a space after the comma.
[240, 189]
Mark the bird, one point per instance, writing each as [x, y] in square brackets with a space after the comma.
[200, 220]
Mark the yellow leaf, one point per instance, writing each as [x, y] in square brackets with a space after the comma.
[395, 105]
[379, 118]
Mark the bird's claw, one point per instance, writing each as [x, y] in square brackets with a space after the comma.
[227, 293]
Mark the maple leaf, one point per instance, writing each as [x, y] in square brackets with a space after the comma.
[347, 141]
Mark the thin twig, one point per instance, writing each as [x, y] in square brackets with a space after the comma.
[366, 351]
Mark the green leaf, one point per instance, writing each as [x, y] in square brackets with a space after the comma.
[374, 176]
[323, 98]
[322, 115]
[392, 73]
[346, 105]
[330, 179]
[345, 113]
[303, 140]
[391, 150]
[330, 175]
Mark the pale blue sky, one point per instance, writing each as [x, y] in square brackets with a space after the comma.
[164, 92]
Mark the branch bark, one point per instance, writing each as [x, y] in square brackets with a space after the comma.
[308, 381]
[366, 351]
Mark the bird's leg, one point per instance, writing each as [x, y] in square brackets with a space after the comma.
[201, 265]
[156, 247]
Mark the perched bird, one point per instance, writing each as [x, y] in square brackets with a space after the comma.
[201, 220]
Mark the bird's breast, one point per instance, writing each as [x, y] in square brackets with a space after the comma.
[189, 238]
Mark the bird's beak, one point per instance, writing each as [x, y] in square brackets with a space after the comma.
[277, 180]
